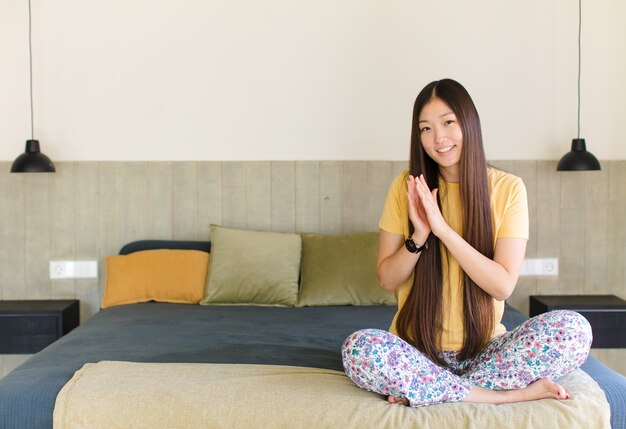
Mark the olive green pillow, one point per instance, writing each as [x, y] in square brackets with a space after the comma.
[253, 267]
[341, 270]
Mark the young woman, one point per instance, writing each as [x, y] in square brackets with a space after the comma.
[453, 234]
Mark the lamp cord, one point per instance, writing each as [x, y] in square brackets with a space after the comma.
[30, 53]
[579, 53]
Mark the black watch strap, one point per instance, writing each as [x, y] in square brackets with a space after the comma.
[412, 246]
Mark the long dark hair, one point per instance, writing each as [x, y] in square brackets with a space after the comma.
[420, 319]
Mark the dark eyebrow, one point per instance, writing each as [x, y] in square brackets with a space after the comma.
[441, 116]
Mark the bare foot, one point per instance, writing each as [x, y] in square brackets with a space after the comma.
[540, 389]
[396, 400]
[544, 389]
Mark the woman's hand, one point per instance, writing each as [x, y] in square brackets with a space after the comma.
[429, 208]
[417, 214]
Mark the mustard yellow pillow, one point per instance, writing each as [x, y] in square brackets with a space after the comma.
[163, 275]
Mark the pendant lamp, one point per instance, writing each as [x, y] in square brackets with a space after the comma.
[32, 160]
[578, 159]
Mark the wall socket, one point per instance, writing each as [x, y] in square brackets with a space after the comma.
[73, 269]
[540, 267]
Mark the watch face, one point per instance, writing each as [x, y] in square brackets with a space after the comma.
[410, 245]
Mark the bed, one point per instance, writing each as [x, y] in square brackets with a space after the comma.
[218, 352]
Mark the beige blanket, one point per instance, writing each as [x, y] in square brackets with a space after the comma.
[152, 395]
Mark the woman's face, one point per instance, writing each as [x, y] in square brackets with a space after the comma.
[441, 136]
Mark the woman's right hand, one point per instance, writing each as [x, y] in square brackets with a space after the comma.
[417, 215]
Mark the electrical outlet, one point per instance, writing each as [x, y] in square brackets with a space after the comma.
[550, 267]
[58, 270]
[540, 267]
[73, 269]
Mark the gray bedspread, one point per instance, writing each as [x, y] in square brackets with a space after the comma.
[153, 332]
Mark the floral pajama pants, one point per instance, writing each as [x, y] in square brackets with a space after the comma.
[547, 346]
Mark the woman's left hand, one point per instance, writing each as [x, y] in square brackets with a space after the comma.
[428, 198]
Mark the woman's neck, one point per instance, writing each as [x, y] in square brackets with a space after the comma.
[450, 174]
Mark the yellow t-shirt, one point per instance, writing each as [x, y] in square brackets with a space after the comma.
[509, 207]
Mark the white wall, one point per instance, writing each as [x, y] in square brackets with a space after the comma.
[295, 80]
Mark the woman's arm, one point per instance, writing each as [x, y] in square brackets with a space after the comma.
[395, 263]
[497, 277]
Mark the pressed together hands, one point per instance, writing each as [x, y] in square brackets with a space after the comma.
[424, 211]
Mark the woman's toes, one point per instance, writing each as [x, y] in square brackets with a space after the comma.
[396, 400]
[545, 388]
[561, 393]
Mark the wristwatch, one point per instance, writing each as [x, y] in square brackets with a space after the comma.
[412, 246]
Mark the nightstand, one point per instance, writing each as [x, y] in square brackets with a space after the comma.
[606, 315]
[28, 326]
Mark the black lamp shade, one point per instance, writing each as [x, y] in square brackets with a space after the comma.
[32, 160]
[578, 159]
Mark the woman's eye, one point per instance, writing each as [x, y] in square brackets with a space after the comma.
[449, 121]
[424, 129]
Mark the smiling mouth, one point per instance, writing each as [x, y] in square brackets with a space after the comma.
[445, 149]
